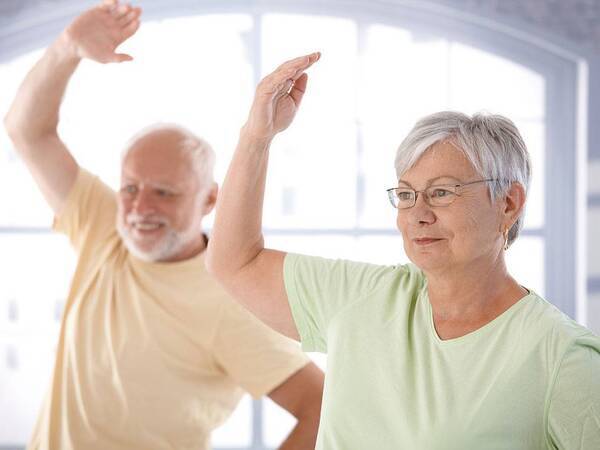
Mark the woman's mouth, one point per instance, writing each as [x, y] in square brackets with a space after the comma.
[426, 241]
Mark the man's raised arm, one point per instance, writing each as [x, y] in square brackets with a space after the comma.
[32, 120]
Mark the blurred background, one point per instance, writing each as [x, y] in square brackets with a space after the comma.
[385, 64]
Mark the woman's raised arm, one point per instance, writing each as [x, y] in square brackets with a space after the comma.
[236, 254]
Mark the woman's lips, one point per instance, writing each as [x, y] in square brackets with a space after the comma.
[426, 241]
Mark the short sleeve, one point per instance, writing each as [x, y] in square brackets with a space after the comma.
[89, 213]
[319, 288]
[574, 410]
[256, 357]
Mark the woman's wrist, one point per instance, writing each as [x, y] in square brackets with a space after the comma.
[253, 142]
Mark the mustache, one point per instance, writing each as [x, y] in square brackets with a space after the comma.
[132, 218]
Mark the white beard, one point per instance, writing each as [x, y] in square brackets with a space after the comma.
[172, 243]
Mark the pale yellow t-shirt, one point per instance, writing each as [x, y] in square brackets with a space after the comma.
[150, 355]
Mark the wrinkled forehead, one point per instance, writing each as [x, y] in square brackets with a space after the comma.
[159, 157]
[444, 160]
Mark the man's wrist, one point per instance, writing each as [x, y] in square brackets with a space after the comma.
[65, 48]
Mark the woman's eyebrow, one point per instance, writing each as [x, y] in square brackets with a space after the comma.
[432, 180]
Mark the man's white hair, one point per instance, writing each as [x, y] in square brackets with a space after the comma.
[491, 143]
[200, 151]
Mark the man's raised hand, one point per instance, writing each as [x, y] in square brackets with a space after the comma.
[98, 32]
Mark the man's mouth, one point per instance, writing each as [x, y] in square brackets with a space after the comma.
[146, 226]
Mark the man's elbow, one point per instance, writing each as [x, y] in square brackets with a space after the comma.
[19, 133]
[11, 126]
[25, 134]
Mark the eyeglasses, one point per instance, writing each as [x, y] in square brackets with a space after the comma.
[438, 195]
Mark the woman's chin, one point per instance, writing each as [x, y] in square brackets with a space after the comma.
[428, 261]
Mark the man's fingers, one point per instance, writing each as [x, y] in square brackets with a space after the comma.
[130, 29]
[108, 4]
[120, 10]
[132, 15]
[121, 57]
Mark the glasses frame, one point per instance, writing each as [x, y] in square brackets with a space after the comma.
[390, 193]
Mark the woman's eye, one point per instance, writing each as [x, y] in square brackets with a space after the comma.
[163, 193]
[441, 193]
[405, 195]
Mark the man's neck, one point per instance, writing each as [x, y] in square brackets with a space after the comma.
[193, 249]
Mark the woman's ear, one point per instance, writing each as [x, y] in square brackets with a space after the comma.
[514, 202]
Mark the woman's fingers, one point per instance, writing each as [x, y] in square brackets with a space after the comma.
[300, 62]
[298, 88]
[286, 74]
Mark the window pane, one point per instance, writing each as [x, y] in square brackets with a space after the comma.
[525, 261]
[277, 423]
[327, 246]
[386, 249]
[177, 76]
[237, 430]
[30, 314]
[16, 186]
[533, 133]
[312, 174]
[484, 81]
[403, 77]
[26, 363]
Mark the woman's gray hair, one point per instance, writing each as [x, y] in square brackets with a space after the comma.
[490, 142]
[200, 151]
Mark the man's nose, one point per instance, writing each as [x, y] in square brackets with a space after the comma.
[143, 203]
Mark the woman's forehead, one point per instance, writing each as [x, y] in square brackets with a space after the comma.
[442, 162]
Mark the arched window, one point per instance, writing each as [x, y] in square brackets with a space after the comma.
[381, 70]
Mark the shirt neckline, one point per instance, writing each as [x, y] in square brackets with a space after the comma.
[494, 323]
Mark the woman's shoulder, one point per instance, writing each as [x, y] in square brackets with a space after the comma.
[560, 331]
[366, 277]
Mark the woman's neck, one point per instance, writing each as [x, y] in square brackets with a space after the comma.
[465, 299]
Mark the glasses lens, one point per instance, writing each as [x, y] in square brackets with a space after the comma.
[441, 196]
[392, 198]
[405, 198]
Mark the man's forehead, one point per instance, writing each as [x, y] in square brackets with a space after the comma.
[171, 171]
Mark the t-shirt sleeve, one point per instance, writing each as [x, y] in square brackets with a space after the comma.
[89, 213]
[574, 410]
[258, 358]
[318, 289]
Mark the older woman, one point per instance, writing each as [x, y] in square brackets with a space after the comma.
[449, 352]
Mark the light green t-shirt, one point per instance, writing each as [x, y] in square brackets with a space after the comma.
[528, 380]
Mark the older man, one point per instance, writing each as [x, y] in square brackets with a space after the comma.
[152, 354]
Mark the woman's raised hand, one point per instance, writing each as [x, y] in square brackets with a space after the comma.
[278, 97]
